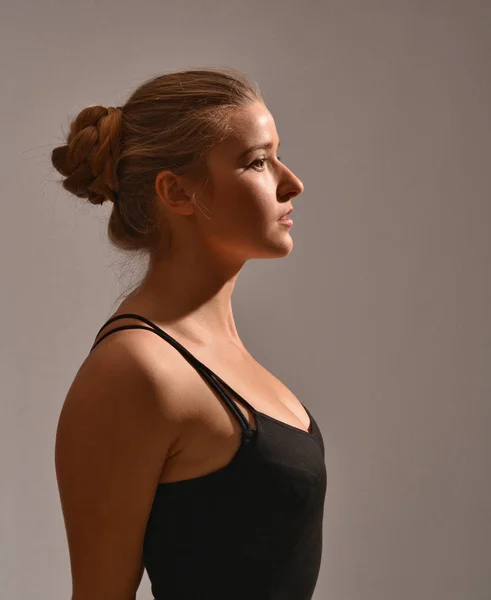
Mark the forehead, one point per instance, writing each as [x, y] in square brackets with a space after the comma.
[253, 121]
[253, 124]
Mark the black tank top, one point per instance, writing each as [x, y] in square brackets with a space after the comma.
[251, 530]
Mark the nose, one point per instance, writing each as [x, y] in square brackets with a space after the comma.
[291, 185]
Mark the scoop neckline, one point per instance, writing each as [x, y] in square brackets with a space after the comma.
[310, 434]
[222, 471]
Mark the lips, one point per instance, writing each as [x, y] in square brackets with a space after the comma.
[287, 213]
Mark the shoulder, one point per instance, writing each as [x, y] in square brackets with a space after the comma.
[137, 369]
[117, 427]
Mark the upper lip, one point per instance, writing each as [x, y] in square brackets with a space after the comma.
[287, 213]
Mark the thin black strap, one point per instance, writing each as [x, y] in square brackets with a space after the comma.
[210, 376]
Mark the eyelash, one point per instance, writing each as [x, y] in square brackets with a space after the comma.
[262, 160]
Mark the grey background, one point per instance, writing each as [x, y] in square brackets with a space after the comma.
[379, 318]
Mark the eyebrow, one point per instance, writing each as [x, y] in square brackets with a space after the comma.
[265, 146]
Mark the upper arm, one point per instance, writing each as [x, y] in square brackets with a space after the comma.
[111, 443]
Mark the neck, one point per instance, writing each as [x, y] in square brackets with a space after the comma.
[192, 294]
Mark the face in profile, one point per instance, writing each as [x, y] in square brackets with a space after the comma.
[251, 189]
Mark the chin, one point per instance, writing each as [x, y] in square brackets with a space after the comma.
[288, 249]
[281, 248]
[271, 245]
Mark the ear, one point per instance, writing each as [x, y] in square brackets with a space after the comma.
[174, 192]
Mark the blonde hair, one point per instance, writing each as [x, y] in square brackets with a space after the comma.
[168, 123]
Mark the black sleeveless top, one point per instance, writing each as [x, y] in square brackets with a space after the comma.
[251, 530]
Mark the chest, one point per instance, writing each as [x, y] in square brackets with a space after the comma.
[211, 432]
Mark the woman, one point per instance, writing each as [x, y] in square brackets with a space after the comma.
[178, 452]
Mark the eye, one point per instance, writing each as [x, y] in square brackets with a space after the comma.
[262, 160]
[258, 160]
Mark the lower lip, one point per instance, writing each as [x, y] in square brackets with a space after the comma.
[286, 221]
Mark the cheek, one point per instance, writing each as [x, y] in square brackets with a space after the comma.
[242, 201]
[249, 199]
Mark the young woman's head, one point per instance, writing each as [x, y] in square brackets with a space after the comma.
[177, 161]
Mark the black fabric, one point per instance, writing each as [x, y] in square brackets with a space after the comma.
[251, 530]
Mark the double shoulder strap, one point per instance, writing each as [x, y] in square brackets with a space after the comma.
[215, 381]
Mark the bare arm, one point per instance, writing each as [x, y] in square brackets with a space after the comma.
[111, 443]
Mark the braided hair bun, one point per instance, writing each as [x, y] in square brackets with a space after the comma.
[89, 158]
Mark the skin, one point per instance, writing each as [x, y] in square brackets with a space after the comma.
[137, 413]
[189, 283]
